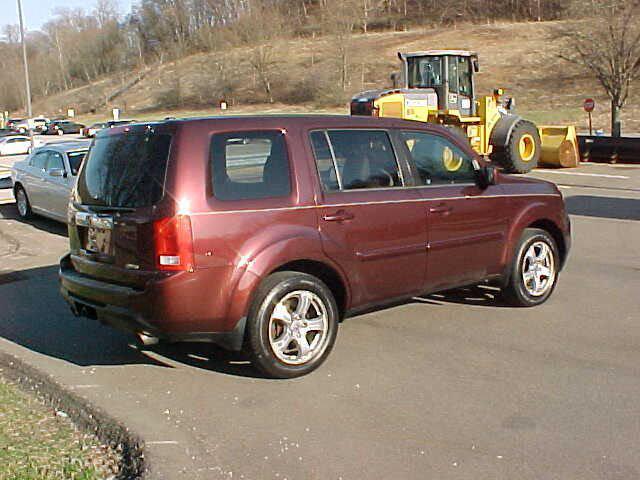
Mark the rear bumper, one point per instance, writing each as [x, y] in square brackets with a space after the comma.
[131, 310]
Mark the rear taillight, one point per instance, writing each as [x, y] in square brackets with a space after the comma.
[173, 241]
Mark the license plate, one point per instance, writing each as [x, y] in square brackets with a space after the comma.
[98, 232]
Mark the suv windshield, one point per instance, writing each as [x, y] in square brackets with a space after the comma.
[125, 170]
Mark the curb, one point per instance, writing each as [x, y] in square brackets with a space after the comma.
[84, 415]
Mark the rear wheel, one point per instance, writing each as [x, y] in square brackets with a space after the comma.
[292, 325]
[522, 151]
[22, 202]
[534, 269]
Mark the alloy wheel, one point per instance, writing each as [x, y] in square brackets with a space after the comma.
[538, 269]
[299, 327]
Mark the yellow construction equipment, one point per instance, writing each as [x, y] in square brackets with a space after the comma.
[438, 86]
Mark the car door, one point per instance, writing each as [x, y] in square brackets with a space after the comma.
[55, 188]
[23, 146]
[466, 225]
[32, 179]
[12, 146]
[367, 220]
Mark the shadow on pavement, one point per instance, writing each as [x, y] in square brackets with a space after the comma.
[210, 357]
[9, 212]
[34, 315]
[483, 295]
[604, 207]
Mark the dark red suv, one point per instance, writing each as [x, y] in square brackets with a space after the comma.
[264, 232]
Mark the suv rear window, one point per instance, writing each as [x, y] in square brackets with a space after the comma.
[250, 165]
[125, 170]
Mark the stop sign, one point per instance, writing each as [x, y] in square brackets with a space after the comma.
[589, 104]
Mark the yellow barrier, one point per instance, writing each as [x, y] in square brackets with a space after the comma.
[559, 146]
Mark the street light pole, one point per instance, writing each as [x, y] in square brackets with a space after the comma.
[26, 71]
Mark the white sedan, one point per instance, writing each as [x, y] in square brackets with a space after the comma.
[16, 145]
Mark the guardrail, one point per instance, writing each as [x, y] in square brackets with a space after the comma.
[609, 149]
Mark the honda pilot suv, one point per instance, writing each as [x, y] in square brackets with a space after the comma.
[264, 232]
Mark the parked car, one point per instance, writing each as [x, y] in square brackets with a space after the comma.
[12, 122]
[60, 127]
[39, 124]
[16, 145]
[42, 182]
[35, 124]
[21, 126]
[91, 131]
[265, 232]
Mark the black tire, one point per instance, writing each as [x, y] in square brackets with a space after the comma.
[25, 212]
[516, 292]
[511, 158]
[257, 343]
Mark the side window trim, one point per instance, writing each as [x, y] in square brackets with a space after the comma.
[334, 161]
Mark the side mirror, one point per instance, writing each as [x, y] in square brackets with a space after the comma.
[486, 176]
[57, 172]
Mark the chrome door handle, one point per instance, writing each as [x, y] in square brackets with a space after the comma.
[441, 209]
[339, 216]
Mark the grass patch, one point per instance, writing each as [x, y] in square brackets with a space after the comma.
[38, 443]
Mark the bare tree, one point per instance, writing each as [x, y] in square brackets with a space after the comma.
[340, 19]
[608, 45]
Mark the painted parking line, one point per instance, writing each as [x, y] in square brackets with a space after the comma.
[603, 175]
[161, 442]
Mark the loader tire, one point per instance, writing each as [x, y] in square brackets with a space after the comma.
[522, 151]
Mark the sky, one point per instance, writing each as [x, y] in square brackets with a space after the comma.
[38, 12]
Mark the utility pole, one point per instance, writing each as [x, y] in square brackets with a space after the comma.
[26, 71]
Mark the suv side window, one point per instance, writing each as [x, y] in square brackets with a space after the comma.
[39, 160]
[250, 165]
[355, 159]
[54, 160]
[437, 160]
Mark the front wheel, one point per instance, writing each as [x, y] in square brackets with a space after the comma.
[22, 202]
[60, 132]
[292, 325]
[534, 269]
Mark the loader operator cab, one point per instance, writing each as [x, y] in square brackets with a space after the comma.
[448, 72]
[438, 86]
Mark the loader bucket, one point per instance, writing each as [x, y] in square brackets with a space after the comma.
[559, 146]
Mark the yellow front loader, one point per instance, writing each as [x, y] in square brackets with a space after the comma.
[438, 86]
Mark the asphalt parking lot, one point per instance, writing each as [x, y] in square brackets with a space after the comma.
[453, 385]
